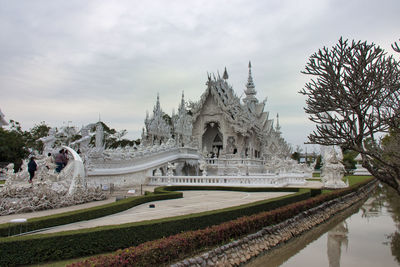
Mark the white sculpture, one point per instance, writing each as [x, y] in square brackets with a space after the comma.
[48, 141]
[84, 141]
[360, 170]
[49, 190]
[171, 167]
[203, 167]
[2, 120]
[332, 169]
[99, 136]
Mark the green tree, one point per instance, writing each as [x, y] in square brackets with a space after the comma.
[295, 156]
[13, 145]
[32, 138]
[349, 161]
[354, 94]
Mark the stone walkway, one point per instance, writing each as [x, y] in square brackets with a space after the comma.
[192, 202]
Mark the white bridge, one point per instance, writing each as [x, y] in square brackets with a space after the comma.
[124, 171]
[122, 168]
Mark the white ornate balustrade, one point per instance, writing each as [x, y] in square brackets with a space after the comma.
[235, 166]
[264, 180]
[142, 162]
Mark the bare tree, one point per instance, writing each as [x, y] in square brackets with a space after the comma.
[354, 97]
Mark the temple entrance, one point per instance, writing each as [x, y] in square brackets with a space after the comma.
[212, 139]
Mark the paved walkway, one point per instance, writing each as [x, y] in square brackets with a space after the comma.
[192, 202]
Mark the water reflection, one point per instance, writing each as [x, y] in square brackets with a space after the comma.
[367, 234]
[336, 238]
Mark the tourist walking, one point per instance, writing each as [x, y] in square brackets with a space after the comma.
[60, 160]
[32, 166]
[49, 161]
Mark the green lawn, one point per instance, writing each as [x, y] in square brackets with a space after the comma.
[2, 181]
[355, 179]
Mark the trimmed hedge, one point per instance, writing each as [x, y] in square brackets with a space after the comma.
[225, 188]
[78, 243]
[87, 214]
[166, 250]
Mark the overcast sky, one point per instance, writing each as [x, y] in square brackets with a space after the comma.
[72, 60]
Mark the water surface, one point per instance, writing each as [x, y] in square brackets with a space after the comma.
[367, 235]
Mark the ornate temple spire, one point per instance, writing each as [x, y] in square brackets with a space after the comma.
[250, 87]
[182, 105]
[250, 92]
[225, 76]
[157, 106]
[278, 127]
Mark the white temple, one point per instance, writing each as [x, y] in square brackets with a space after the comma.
[221, 124]
[219, 140]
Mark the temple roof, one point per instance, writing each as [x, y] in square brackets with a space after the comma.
[242, 119]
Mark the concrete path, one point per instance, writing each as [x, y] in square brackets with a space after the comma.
[8, 218]
[192, 202]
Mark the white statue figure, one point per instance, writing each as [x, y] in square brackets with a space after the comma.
[99, 136]
[84, 141]
[10, 174]
[360, 170]
[332, 169]
[158, 172]
[2, 120]
[203, 167]
[48, 141]
[171, 168]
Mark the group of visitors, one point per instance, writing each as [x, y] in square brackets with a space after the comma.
[61, 160]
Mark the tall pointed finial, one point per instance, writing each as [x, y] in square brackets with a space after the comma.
[278, 127]
[250, 91]
[99, 117]
[250, 84]
[225, 76]
[157, 106]
[182, 105]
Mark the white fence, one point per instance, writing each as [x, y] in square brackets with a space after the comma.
[265, 180]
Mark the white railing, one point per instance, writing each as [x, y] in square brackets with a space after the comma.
[136, 164]
[254, 180]
[235, 162]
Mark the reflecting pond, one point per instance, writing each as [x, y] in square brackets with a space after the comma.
[367, 234]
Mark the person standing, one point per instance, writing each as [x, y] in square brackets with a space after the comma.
[59, 160]
[49, 161]
[32, 166]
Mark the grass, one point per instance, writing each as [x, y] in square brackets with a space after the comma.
[2, 181]
[313, 179]
[352, 181]
[355, 179]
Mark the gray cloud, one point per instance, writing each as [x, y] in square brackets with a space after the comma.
[71, 61]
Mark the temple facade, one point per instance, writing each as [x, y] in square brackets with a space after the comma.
[220, 123]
